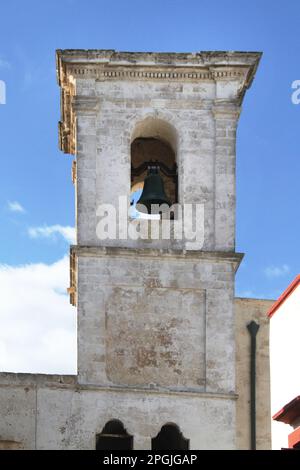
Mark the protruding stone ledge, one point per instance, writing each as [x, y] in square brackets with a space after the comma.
[160, 391]
[167, 254]
[24, 379]
[9, 379]
[100, 251]
[109, 65]
[201, 58]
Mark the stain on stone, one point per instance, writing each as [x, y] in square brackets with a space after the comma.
[146, 357]
[152, 282]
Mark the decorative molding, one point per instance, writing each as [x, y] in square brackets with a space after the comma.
[110, 64]
[127, 73]
[159, 59]
[104, 65]
[103, 72]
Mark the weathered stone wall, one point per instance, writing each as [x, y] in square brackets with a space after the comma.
[247, 310]
[52, 412]
[156, 319]
[19, 406]
[55, 412]
[200, 127]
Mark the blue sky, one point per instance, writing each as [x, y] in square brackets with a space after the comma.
[37, 175]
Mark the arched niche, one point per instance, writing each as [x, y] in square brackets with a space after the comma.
[156, 128]
[114, 437]
[154, 140]
[170, 438]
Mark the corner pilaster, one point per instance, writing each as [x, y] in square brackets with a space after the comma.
[85, 109]
[226, 114]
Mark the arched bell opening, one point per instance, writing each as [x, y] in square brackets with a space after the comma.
[114, 437]
[153, 163]
[170, 438]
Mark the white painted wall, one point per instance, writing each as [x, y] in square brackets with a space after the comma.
[284, 361]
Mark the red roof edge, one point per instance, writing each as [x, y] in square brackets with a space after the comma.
[289, 412]
[284, 296]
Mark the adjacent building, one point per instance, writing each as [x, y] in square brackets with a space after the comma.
[285, 378]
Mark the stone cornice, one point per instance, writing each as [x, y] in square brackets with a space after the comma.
[181, 59]
[12, 379]
[103, 65]
[109, 64]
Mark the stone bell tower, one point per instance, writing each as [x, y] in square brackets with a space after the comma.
[156, 345]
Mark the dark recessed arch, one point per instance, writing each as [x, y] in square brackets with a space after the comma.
[154, 141]
[114, 437]
[148, 149]
[170, 438]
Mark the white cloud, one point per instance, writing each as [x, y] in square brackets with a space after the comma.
[15, 206]
[251, 294]
[246, 293]
[37, 323]
[276, 271]
[4, 64]
[51, 231]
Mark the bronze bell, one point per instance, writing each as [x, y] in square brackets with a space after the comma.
[153, 191]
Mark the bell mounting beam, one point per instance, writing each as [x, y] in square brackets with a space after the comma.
[169, 172]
